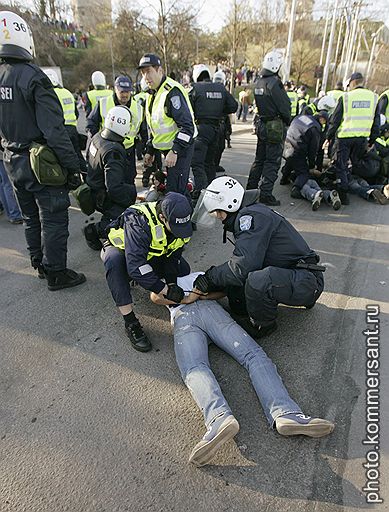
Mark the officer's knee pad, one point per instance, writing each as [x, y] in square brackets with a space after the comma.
[259, 280]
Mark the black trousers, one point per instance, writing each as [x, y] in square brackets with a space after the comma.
[45, 214]
[205, 150]
[264, 170]
[265, 289]
[352, 148]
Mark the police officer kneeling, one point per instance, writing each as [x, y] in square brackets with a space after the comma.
[145, 245]
[30, 113]
[271, 262]
[112, 188]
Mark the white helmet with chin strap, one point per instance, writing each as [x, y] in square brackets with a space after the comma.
[224, 193]
[118, 120]
[15, 37]
[198, 69]
[327, 103]
[98, 79]
[272, 61]
[52, 76]
[219, 77]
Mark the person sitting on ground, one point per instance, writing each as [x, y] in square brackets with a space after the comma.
[194, 320]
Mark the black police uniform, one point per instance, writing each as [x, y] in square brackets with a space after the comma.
[211, 102]
[112, 188]
[301, 146]
[272, 103]
[30, 111]
[263, 270]
[93, 123]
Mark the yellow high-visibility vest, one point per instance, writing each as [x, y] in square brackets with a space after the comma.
[137, 113]
[386, 113]
[293, 98]
[68, 105]
[162, 127]
[358, 113]
[96, 94]
[159, 245]
[336, 94]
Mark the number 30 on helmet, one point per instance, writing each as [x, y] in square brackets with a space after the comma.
[15, 37]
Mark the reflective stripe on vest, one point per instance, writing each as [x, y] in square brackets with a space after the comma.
[162, 127]
[68, 105]
[386, 113]
[137, 113]
[293, 98]
[312, 107]
[96, 94]
[358, 113]
[159, 245]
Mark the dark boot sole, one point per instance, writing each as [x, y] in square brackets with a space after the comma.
[72, 284]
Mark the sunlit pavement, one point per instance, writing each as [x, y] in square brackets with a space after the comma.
[89, 424]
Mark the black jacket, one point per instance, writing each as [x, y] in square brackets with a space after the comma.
[30, 111]
[271, 98]
[303, 139]
[263, 238]
[108, 172]
[211, 101]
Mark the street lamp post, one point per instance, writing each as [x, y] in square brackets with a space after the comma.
[372, 52]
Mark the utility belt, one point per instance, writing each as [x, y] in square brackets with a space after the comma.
[213, 122]
[310, 264]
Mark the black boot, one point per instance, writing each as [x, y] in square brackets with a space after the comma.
[92, 238]
[138, 337]
[343, 196]
[59, 279]
[269, 200]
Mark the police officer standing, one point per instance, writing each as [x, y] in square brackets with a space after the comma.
[70, 114]
[146, 245]
[99, 91]
[211, 102]
[274, 115]
[293, 98]
[383, 104]
[112, 188]
[356, 124]
[30, 112]
[271, 262]
[121, 96]
[337, 92]
[171, 123]
[225, 128]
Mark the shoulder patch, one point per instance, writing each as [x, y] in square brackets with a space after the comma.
[176, 102]
[245, 222]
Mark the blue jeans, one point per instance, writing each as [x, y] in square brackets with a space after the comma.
[360, 187]
[193, 324]
[7, 196]
[308, 191]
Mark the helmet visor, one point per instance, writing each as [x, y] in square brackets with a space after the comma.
[201, 216]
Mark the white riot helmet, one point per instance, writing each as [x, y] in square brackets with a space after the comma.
[15, 37]
[198, 69]
[219, 77]
[118, 120]
[327, 103]
[98, 79]
[272, 61]
[53, 77]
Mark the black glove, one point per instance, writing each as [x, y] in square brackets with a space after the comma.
[174, 293]
[202, 283]
[74, 180]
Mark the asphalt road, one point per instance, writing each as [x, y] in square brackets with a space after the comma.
[87, 424]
